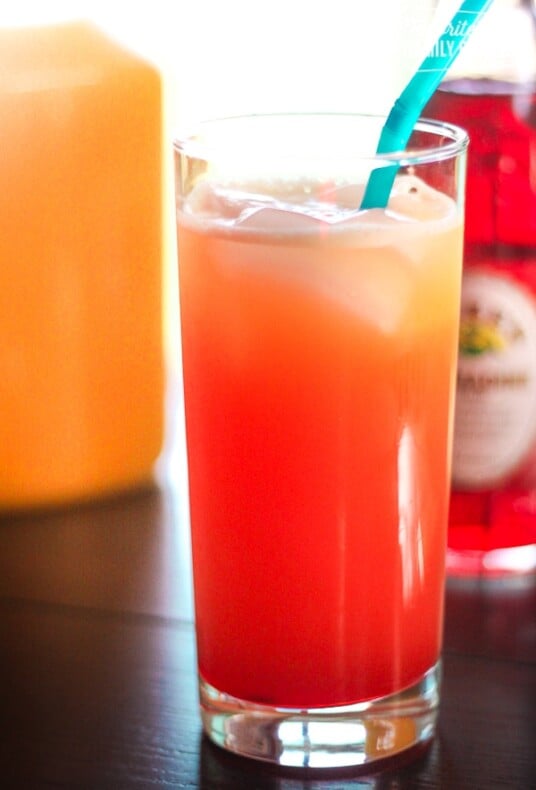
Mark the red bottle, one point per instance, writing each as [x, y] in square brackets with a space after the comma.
[492, 529]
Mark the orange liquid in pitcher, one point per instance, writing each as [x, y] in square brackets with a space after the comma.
[81, 389]
[318, 371]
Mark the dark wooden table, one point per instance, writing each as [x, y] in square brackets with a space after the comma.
[97, 666]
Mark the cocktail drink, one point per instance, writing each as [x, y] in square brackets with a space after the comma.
[319, 350]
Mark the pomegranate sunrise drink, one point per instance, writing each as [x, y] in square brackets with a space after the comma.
[319, 350]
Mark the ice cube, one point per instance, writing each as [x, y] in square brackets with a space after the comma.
[348, 196]
[414, 199]
[278, 221]
[376, 289]
[213, 201]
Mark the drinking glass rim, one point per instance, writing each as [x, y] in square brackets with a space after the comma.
[452, 139]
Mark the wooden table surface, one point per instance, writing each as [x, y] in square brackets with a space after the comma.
[97, 666]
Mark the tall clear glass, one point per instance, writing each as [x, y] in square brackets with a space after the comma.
[319, 350]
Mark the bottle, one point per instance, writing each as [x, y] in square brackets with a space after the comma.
[492, 94]
[81, 264]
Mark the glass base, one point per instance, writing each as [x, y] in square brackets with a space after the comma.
[332, 737]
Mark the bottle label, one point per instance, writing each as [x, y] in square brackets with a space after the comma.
[495, 418]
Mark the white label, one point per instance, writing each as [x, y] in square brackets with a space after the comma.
[495, 420]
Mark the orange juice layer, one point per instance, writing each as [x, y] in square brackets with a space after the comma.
[318, 371]
[81, 389]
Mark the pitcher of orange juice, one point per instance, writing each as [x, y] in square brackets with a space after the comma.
[82, 370]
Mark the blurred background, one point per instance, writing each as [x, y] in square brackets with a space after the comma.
[90, 396]
[269, 55]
